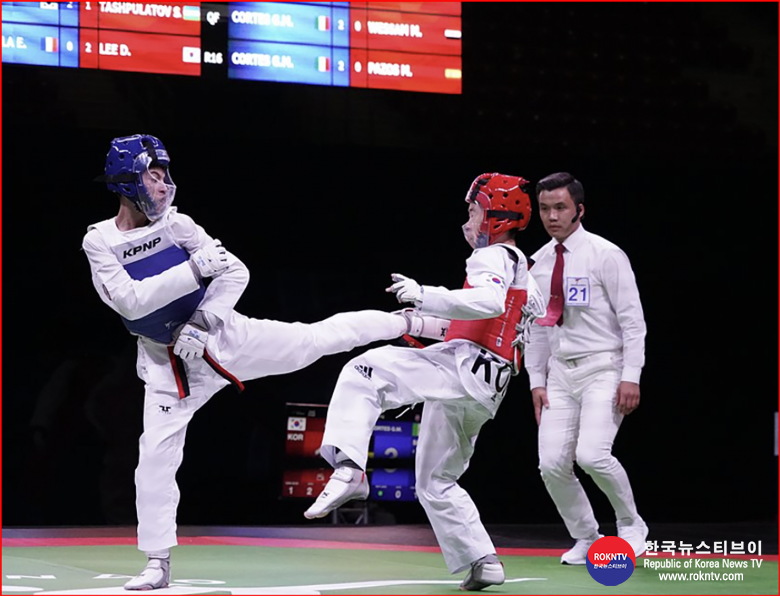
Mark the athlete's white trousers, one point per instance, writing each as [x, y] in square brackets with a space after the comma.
[581, 425]
[390, 377]
[248, 349]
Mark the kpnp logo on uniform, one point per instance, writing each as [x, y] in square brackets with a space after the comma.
[130, 252]
[610, 561]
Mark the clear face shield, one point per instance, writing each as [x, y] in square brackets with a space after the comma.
[475, 230]
[155, 187]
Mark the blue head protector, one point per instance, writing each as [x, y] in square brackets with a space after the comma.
[128, 173]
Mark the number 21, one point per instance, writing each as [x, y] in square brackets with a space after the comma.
[573, 294]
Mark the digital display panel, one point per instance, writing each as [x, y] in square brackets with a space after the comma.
[308, 24]
[448, 8]
[140, 52]
[405, 32]
[406, 46]
[41, 45]
[161, 17]
[305, 427]
[304, 483]
[393, 485]
[306, 473]
[406, 72]
[395, 439]
[63, 14]
[267, 61]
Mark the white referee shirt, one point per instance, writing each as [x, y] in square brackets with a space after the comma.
[602, 311]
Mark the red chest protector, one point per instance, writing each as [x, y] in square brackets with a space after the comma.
[494, 334]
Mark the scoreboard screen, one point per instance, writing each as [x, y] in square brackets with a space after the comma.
[305, 427]
[393, 485]
[393, 439]
[306, 473]
[307, 483]
[410, 46]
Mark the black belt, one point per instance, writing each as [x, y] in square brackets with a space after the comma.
[180, 373]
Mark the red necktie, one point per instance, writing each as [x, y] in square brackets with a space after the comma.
[555, 307]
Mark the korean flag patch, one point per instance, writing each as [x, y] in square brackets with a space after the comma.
[494, 279]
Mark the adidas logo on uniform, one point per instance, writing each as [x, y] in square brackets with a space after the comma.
[364, 370]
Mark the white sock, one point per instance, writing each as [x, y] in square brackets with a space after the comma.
[159, 554]
[342, 459]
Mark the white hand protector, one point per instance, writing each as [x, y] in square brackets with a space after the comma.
[533, 309]
[405, 289]
[191, 341]
[418, 325]
[210, 260]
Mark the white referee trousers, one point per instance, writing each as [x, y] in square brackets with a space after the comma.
[248, 349]
[391, 377]
[581, 424]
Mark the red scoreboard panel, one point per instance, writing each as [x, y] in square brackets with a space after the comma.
[162, 38]
[405, 72]
[304, 473]
[450, 8]
[140, 52]
[304, 483]
[406, 51]
[405, 32]
[161, 17]
[304, 432]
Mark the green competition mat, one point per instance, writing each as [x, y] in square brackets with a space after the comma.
[364, 569]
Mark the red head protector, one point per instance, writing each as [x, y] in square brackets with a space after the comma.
[505, 204]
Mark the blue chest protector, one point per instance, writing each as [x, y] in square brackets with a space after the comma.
[149, 256]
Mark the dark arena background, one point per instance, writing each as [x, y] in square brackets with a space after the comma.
[667, 113]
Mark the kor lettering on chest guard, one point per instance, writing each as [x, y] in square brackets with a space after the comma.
[131, 252]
